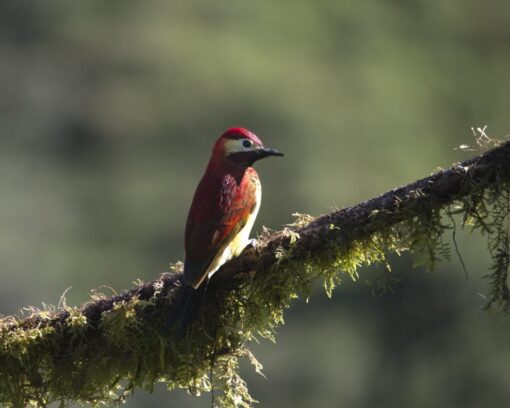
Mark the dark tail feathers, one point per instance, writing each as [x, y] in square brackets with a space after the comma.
[185, 307]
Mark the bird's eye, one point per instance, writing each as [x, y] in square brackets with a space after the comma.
[247, 143]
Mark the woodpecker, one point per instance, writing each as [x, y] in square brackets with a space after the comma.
[221, 216]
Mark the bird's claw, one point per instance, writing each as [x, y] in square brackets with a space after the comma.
[252, 247]
[253, 243]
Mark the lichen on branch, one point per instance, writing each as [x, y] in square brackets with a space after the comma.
[100, 352]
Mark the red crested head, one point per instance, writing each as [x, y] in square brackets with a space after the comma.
[227, 139]
[240, 148]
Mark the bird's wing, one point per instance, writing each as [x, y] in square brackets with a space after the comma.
[207, 238]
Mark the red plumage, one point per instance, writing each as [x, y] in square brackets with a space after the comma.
[222, 213]
[224, 199]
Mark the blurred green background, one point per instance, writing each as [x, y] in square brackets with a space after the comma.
[108, 111]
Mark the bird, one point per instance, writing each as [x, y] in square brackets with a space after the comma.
[222, 213]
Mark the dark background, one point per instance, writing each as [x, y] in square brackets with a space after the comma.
[108, 111]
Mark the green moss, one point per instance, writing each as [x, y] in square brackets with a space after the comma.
[73, 360]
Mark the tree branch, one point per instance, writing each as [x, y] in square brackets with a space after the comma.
[121, 342]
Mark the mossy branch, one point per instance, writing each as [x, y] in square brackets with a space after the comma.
[100, 352]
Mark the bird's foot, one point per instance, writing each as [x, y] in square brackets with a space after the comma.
[252, 247]
[253, 243]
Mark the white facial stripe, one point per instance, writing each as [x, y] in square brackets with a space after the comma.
[238, 145]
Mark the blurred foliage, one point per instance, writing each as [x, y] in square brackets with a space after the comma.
[120, 344]
[107, 115]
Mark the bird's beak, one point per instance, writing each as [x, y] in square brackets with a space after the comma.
[266, 152]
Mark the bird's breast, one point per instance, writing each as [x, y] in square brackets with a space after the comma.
[242, 238]
[221, 218]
